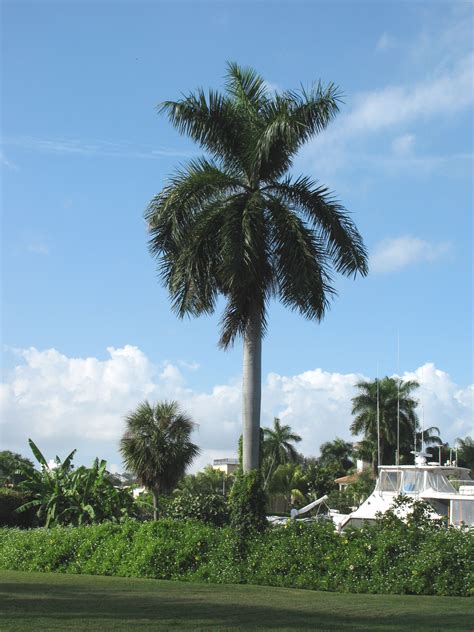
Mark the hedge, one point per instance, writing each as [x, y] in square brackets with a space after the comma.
[386, 558]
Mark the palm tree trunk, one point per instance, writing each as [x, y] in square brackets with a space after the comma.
[154, 493]
[252, 393]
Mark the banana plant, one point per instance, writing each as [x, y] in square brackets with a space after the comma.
[63, 495]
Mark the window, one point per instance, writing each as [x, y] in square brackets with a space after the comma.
[462, 512]
[389, 481]
[439, 483]
[413, 481]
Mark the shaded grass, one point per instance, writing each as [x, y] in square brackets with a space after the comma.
[51, 601]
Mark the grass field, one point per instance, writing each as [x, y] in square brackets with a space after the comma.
[48, 601]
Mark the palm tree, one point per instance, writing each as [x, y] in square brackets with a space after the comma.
[236, 224]
[156, 446]
[277, 447]
[394, 396]
[466, 451]
[290, 482]
[337, 451]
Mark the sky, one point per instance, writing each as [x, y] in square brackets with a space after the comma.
[87, 331]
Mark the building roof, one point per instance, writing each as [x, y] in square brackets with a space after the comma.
[226, 462]
[345, 480]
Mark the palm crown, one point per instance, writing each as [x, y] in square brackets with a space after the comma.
[156, 445]
[395, 401]
[235, 223]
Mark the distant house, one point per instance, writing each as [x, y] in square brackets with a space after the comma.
[344, 481]
[229, 466]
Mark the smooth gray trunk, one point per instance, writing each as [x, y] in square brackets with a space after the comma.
[252, 393]
[155, 493]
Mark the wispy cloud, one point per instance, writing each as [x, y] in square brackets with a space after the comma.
[440, 89]
[385, 42]
[7, 163]
[38, 248]
[82, 147]
[391, 255]
[403, 145]
[393, 105]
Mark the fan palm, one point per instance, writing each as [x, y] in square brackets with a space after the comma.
[236, 224]
[277, 447]
[394, 399]
[156, 446]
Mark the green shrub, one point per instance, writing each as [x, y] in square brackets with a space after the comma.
[415, 557]
[209, 508]
[247, 505]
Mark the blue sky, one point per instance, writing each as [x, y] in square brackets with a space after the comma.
[83, 151]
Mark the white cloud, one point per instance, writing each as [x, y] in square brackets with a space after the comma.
[38, 248]
[442, 403]
[391, 255]
[444, 90]
[403, 145]
[84, 147]
[385, 42]
[7, 163]
[447, 93]
[65, 403]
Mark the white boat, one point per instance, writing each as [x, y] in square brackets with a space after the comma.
[448, 489]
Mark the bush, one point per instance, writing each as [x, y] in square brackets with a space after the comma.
[208, 508]
[419, 556]
[247, 505]
[10, 500]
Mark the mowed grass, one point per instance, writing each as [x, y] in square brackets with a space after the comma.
[50, 601]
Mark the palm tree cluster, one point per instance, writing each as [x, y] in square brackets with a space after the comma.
[388, 406]
[235, 223]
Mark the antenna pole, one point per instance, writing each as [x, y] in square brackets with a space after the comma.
[398, 399]
[378, 419]
[422, 412]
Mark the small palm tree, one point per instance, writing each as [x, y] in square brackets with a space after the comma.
[290, 482]
[277, 447]
[156, 446]
[236, 224]
[393, 398]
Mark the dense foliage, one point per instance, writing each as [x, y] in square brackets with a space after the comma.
[414, 557]
[62, 495]
[12, 466]
[247, 505]
[10, 501]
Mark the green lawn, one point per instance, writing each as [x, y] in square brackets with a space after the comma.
[49, 601]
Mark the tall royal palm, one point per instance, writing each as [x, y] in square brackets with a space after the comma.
[392, 398]
[236, 224]
[156, 446]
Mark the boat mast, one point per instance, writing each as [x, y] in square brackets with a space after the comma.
[378, 419]
[398, 399]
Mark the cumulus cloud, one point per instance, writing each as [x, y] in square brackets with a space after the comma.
[391, 255]
[442, 402]
[65, 403]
